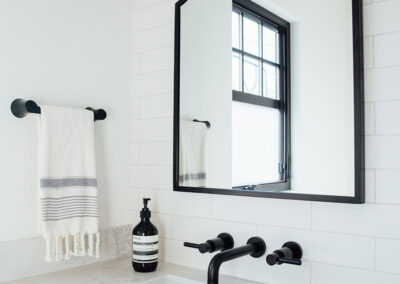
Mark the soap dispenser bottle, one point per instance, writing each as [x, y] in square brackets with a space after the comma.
[145, 242]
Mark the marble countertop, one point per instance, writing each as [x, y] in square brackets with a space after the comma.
[121, 271]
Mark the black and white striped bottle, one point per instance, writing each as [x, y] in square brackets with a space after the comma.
[145, 242]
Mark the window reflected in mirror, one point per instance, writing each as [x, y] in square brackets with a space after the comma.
[259, 158]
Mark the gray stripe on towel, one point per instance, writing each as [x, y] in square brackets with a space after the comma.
[66, 201]
[60, 202]
[57, 210]
[70, 217]
[69, 197]
[60, 214]
[69, 204]
[67, 182]
[62, 210]
[187, 177]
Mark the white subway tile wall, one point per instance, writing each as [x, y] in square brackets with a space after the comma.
[349, 244]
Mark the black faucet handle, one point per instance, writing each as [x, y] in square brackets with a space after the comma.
[223, 242]
[191, 245]
[203, 247]
[274, 258]
[290, 253]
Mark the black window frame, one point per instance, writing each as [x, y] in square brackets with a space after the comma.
[266, 18]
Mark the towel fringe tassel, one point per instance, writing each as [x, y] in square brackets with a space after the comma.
[97, 245]
[90, 243]
[82, 248]
[75, 237]
[48, 257]
[67, 248]
[59, 247]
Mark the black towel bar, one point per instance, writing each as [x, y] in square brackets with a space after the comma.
[21, 108]
[207, 123]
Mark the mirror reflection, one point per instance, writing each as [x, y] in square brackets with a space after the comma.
[266, 96]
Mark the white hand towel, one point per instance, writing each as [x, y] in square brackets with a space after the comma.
[192, 143]
[68, 186]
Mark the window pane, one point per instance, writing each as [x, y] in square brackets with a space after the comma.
[270, 81]
[255, 144]
[251, 76]
[251, 36]
[236, 72]
[235, 30]
[270, 47]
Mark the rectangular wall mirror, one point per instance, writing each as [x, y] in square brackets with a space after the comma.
[269, 99]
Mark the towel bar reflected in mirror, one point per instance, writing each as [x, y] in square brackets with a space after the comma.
[207, 123]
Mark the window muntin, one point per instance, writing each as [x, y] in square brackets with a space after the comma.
[256, 44]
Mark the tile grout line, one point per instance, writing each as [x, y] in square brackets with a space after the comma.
[374, 117]
[153, 49]
[374, 175]
[382, 34]
[151, 6]
[383, 101]
[373, 51]
[375, 254]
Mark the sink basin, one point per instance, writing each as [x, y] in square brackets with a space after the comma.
[171, 279]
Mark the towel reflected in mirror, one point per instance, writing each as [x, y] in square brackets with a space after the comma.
[192, 141]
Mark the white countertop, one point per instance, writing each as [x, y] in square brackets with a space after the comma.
[121, 271]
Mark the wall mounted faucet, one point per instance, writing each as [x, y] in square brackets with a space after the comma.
[223, 242]
[255, 247]
[290, 253]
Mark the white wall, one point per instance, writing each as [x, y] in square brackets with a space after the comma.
[354, 244]
[321, 94]
[69, 53]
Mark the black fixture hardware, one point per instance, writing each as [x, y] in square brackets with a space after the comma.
[223, 242]
[358, 99]
[207, 123]
[20, 108]
[290, 253]
[255, 247]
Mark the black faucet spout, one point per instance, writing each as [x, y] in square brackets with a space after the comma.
[218, 259]
[255, 247]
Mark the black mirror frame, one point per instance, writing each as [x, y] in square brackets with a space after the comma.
[359, 144]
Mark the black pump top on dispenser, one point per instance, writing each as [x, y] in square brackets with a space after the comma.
[145, 213]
